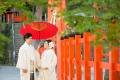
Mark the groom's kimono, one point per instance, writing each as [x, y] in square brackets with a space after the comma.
[25, 55]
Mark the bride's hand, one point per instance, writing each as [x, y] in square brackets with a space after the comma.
[45, 68]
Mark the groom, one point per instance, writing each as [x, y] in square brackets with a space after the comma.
[28, 59]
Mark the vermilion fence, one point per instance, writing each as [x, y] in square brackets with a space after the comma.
[71, 62]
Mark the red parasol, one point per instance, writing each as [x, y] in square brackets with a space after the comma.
[39, 30]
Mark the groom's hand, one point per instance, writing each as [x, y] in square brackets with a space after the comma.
[46, 68]
[24, 70]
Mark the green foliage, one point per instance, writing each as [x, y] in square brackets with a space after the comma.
[24, 6]
[3, 40]
[41, 43]
[3, 6]
[6, 46]
[79, 15]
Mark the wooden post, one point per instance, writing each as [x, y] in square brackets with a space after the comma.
[49, 11]
[66, 59]
[86, 56]
[63, 7]
[71, 52]
[98, 59]
[78, 58]
[60, 28]
[59, 25]
[113, 59]
[62, 58]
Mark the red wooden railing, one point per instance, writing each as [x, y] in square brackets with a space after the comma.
[71, 62]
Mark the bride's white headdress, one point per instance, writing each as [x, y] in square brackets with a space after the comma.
[51, 45]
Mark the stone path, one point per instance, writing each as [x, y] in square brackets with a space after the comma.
[9, 73]
[12, 73]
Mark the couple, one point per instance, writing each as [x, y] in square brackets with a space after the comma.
[29, 59]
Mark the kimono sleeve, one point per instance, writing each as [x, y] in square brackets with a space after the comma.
[53, 63]
[21, 63]
[37, 59]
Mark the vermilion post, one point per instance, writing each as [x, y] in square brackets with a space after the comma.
[86, 56]
[71, 54]
[49, 10]
[63, 58]
[59, 25]
[66, 59]
[113, 59]
[63, 7]
[97, 60]
[78, 57]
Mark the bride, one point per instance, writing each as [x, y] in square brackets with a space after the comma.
[48, 62]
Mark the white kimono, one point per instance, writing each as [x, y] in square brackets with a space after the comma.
[49, 60]
[27, 53]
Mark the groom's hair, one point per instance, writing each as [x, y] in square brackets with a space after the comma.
[27, 35]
